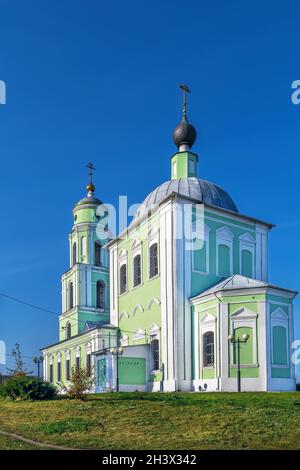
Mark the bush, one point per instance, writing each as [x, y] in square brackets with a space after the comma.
[27, 388]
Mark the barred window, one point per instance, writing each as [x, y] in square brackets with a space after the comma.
[71, 296]
[100, 288]
[155, 353]
[97, 254]
[137, 271]
[88, 364]
[153, 261]
[208, 349]
[74, 253]
[58, 372]
[123, 278]
[67, 369]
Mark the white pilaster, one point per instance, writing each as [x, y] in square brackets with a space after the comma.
[167, 296]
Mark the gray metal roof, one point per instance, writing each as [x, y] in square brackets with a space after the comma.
[236, 282]
[196, 188]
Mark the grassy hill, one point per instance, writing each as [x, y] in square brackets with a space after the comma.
[158, 421]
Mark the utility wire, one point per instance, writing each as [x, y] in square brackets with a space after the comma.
[46, 310]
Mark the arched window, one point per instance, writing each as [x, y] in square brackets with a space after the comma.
[74, 253]
[68, 330]
[137, 271]
[123, 278]
[97, 254]
[100, 288]
[208, 349]
[153, 261]
[71, 296]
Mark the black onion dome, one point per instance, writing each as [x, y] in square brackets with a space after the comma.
[185, 133]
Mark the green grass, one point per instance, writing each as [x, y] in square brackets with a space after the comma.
[158, 421]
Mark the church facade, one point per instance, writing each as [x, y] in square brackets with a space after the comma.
[180, 300]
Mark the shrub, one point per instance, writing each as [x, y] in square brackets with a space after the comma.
[26, 388]
[81, 382]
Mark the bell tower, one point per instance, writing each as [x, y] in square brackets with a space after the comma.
[85, 286]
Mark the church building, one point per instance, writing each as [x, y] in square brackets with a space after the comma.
[180, 300]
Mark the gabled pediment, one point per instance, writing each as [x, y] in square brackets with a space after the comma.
[136, 244]
[247, 238]
[208, 318]
[154, 328]
[279, 314]
[122, 253]
[225, 233]
[244, 313]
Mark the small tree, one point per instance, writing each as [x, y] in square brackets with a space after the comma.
[81, 382]
[19, 369]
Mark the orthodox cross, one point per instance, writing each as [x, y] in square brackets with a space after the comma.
[185, 90]
[91, 168]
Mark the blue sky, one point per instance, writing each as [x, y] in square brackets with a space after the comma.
[94, 80]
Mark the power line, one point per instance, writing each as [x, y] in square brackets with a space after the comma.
[57, 315]
[29, 304]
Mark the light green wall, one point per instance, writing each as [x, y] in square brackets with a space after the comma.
[184, 169]
[132, 371]
[142, 294]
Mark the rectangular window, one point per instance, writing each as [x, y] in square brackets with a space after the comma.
[153, 260]
[77, 362]
[97, 254]
[51, 373]
[123, 279]
[137, 271]
[191, 167]
[155, 352]
[88, 364]
[67, 369]
[58, 372]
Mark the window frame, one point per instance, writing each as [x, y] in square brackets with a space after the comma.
[98, 251]
[151, 245]
[205, 344]
[102, 285]
[134, 257]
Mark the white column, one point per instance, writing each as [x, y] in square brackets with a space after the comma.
[113, 280]
[291, 339]
[262, 344]
[167, 296]
[224, 343]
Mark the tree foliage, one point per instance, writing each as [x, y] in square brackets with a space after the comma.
[24, 387]
[81, 382]
[19, 370]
